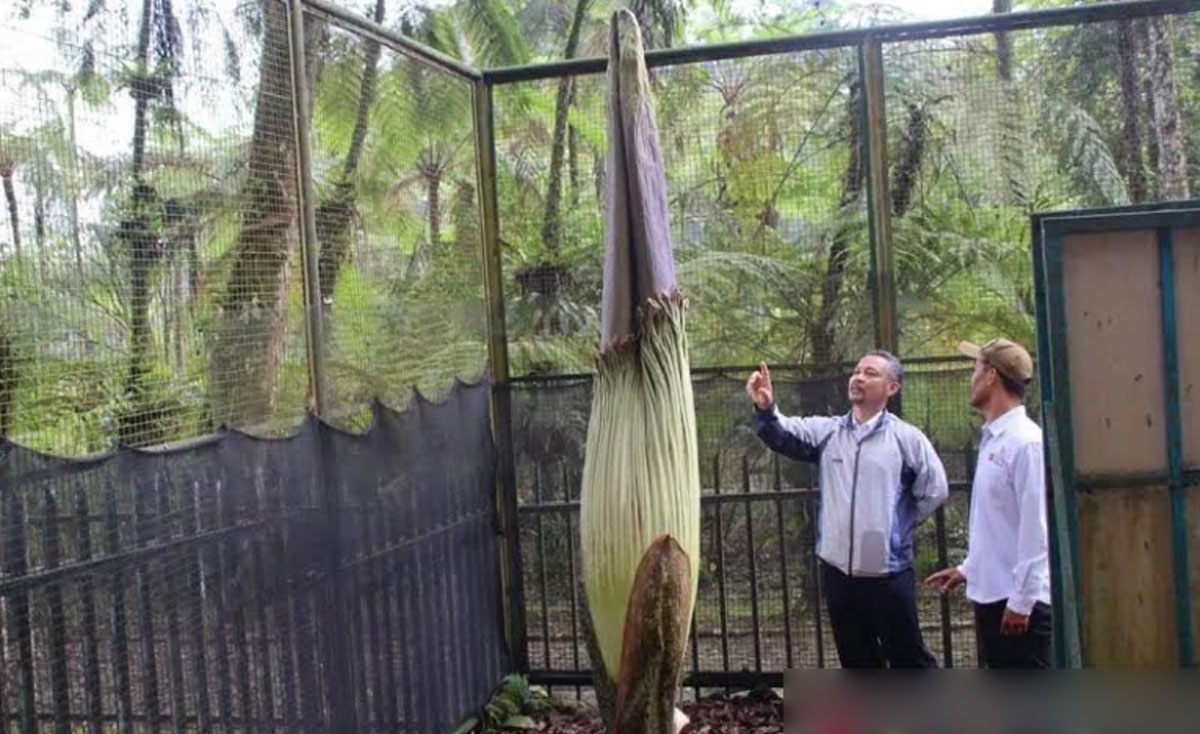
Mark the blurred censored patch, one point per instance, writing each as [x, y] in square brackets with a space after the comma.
[950, 702]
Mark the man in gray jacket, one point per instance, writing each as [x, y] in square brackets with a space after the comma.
[879, 478]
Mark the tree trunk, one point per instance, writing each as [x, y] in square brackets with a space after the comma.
[335, 214]
[573, 154]
[141, 240]
[10, 196]
[1004, 50]
[248, 343]
[823, 331]
[73, 190]
[179, 304]
[1164, 103]
[8, 380]
[912, 156]
[552, 220]
[1147, 117]
[1013, 143]
[1131, 137]
[39, 217]
[433, 183]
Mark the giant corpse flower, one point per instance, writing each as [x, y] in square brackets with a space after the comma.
[640, 515]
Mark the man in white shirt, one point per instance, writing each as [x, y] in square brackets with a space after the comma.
[1007, 569]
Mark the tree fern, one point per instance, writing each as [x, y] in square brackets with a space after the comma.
[1082, 150]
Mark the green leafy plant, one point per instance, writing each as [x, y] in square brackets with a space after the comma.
[515, 705]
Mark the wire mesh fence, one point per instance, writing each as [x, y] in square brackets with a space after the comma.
[156, 297]
[397, 219]
[152, 263]
[767, 204]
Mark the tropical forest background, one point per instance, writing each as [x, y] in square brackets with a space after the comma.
[150, 260]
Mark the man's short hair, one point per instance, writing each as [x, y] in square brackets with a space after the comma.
[895, 369]
[1011, 386]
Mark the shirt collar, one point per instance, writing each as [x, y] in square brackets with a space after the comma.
[1004, 421]
[879, 418]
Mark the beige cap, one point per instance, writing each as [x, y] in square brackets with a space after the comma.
[1009, 358]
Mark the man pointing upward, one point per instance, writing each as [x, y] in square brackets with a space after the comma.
[879, 478]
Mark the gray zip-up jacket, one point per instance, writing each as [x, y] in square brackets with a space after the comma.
[873, 493]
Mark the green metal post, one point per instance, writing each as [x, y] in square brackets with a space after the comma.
[511, 578]
[1179, 533]
[879, 199]
[313, 321]
[1060, 437]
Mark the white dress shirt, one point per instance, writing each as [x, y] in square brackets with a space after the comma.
[1008, 545]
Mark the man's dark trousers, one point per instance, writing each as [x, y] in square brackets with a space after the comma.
[874, 620]
[1029, 650]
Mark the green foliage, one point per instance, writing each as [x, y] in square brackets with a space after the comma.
[515, 704]
[758, 153]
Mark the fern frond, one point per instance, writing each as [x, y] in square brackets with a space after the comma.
[1083, 151]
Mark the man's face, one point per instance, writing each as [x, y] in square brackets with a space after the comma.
[872, 384]
[982, 380]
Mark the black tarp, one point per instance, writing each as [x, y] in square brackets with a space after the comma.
[324, 582]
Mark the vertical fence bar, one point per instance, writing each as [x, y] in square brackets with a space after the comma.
[810, 504]
[541, 552]
[755, 619]
[306, 637]
[1174, 428]
[195, 583]
[370, 598]
[261, 584]
[719, 529]
[944, 601]
[571, 573]
[397, 648]
[695, 652]
[20, 631]
[358, 647]
[217, 587]
[174, 595]
[112, 547]
[143, 534]
[52, 550]
[379, 545]
[511, 579]
[971, 458]
[93, 704]
[237, 583]
[285, 593]
[332, 622]
[302, 103]
[777, 476]
[879, 200]
[4, 704]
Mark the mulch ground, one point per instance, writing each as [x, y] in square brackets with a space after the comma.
[755, 713]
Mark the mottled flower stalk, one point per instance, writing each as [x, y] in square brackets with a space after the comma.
[640, 515]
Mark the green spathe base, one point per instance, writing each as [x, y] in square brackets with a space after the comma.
[640, 520]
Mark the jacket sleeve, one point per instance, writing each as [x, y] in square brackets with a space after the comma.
[929, 487]
[795, 438]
